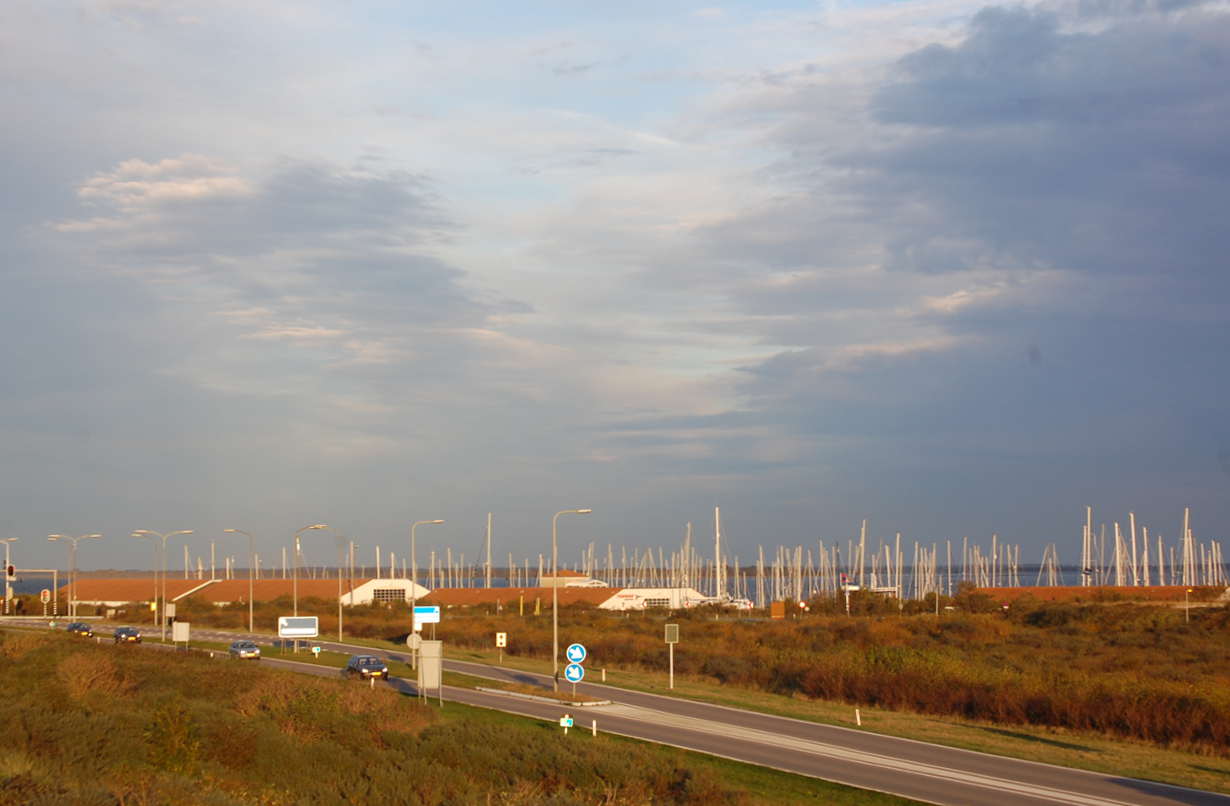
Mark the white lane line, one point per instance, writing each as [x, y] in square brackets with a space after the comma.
[888, 763]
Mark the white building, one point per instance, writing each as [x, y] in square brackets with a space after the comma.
[642, 598]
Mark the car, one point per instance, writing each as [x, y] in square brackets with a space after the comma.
[366, 667]
[245, 649]
[80, 628]
[127, 635]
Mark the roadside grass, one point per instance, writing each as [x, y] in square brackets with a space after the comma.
[89, 723]
[1049, 746]
[764, 785]
[1118, 687]
[1059, 746]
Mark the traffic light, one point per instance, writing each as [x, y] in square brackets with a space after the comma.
[11, 572]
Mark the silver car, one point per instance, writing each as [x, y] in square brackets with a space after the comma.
[245, 649]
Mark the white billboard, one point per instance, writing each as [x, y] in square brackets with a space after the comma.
[298, 626]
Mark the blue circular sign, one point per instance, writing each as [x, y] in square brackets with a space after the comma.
[574, 673]
[576, 653]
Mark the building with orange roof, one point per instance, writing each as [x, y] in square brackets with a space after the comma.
[468, 597]
[115, 592]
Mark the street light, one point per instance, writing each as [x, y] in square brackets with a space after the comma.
[162, 612]
[295, 583]
[6, 541]
[251, 563]
[72, 566]
[555, 592]
[414, 569]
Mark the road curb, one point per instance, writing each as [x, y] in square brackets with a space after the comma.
[536, 698]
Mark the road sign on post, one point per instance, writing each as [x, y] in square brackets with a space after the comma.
[298, 626]
[501, 641]
[576, 653]
[179, 632]
[574, 673]
[44, 595]
[672, 638]
[426, 614]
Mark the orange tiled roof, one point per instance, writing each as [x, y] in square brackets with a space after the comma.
[126, 590]
[473, 596]
[264, 590]
[226, 590]
[1075, 593]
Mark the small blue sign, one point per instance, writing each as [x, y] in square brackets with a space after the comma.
[574, 673]
[576, 653]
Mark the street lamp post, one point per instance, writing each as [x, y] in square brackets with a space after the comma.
[414, 569]
[73, 543]
[162, 610]
[6, 541]
[251, 563]
[555, 592]
[295, 564]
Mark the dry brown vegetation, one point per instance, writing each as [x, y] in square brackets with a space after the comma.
[1123, 668]
[1135, 670]
[177, 727]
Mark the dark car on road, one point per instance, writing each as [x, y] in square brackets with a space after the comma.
[366, 667]
[80, 628]
[127, 635]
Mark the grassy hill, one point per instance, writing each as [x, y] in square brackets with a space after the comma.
[88, 723]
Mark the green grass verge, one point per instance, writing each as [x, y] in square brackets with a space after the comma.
[761, 784]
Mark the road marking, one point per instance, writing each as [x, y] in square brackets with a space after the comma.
[889, 763]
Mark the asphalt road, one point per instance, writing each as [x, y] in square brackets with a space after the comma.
[912, 769]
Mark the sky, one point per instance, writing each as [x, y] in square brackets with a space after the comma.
[955, 268]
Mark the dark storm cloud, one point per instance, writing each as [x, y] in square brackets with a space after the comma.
[1101, 151]
[1068, 187]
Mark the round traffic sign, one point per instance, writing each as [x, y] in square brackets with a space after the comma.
[576, 653]
[414, 640]
[574, 673]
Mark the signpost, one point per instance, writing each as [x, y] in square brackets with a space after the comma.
[501, 641]
[426, 614]
[574, 672]
[672, 638]
[179, 632]
[431, 670]
[45, 596]
[565, 722]
[297, 627]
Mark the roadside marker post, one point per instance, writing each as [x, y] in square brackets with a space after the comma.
[672, 638]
